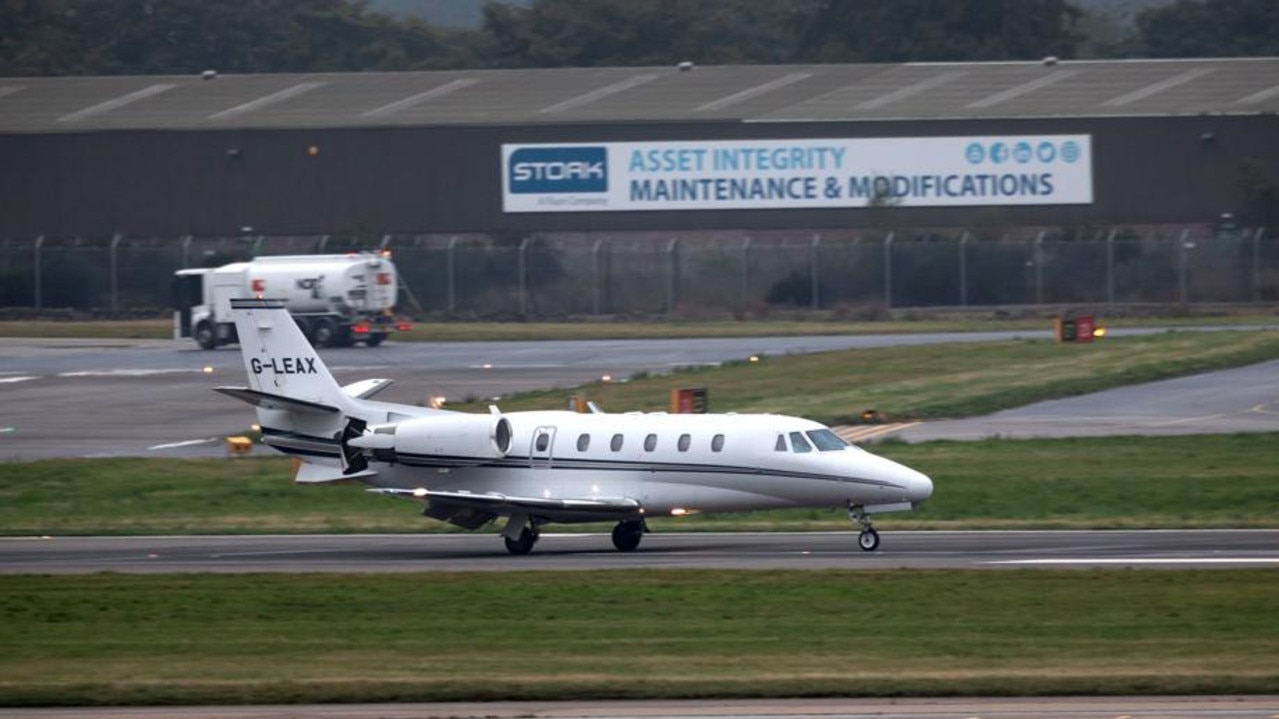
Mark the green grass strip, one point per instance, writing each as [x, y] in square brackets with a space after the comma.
[134, 639]
[1114, 482]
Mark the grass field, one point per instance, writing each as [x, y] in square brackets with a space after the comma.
[1123, 482]
[104, 639]
[931, 381]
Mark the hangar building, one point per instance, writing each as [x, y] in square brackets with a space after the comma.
[639, 149]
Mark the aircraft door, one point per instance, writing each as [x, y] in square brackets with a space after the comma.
[543, 444]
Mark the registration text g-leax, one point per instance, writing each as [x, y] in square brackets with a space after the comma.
[284, 365]
[541, 170]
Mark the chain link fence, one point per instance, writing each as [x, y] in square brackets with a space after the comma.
[693, 274]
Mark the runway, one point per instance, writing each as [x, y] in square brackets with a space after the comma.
[1234, 707]
[1163, 549]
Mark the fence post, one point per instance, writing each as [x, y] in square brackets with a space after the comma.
[813, 275]
[1038, 259]
[115, 272]
[451, 273]
[523, 275]
[963, 268]
[1256, 263]
[186, 251]
[595, 276]
[324, 243]
[1110, 270]
[888, 271]
[672, 267]
[386, 243]
[1182, 284]
[746, 270]
[36, 267]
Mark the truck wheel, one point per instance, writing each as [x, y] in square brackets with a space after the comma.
[305, 326]
[323, 334]
[205, 337]
[373, 340]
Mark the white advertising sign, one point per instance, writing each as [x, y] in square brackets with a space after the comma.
[792, 174]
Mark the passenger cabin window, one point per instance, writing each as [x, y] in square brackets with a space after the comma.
[683, 443]
[799, 444]
[781, 443]
[583, 442]
[543, 441]
[826, 440]
[616, 444]
[650, 443]
[717, 443]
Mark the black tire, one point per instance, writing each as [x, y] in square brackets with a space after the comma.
[523, 545]
[868, 540]
[323, 334]
[374, 339]
[305, 326]
[205, 336]
[627, 535]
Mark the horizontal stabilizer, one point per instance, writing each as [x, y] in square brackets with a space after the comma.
[366, 388]
[315, 473]
[266, 400]
[498, 503]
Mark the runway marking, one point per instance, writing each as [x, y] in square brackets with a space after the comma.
[15, 380]
[129, 372]
[184, 443]
[1140, 560]
[865, 433]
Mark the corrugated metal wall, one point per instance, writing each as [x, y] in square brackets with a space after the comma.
[1157, 170]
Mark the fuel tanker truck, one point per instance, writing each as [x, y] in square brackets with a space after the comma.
[337, 300]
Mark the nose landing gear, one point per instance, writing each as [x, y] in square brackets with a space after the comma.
[868, 540]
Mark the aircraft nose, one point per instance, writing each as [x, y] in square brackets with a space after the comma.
[918, 486]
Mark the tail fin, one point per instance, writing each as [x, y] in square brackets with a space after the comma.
[278, 358]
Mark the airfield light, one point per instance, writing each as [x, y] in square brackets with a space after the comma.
[255, 427]
[313, 150]
[386, 254]
[1099, 332]
[419, 492]
[437, 401]
[208, 369]
[487, 365]
[754, 358]
[606, 378]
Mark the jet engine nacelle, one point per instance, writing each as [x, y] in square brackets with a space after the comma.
[461, 439]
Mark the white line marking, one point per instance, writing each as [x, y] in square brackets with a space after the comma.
[421, 97]
[127, 372]
[187, 443]
[1260, 96]
[599, 94]
[117, 102]
[750, 92]
[1141, 560]
[15, 380]
[1022, 89]
[1157, 87]
[266, 100]
[10, 89]
[904, 92]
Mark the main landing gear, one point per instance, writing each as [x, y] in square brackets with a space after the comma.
[868, 540]
[520, 535]
[627, 534]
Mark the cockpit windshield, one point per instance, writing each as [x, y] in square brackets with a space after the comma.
[826, 440]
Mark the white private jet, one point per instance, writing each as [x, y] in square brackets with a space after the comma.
[541, 467]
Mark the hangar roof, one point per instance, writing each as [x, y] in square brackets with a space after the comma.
[761, 93]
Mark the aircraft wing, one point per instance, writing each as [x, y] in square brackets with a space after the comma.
[500, 504]
[366, 388]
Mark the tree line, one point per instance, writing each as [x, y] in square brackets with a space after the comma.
[141, 37]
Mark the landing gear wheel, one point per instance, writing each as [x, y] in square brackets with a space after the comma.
[868, 540]
[323, 333]
[205, 337]
[523, 545]
[627, 535]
